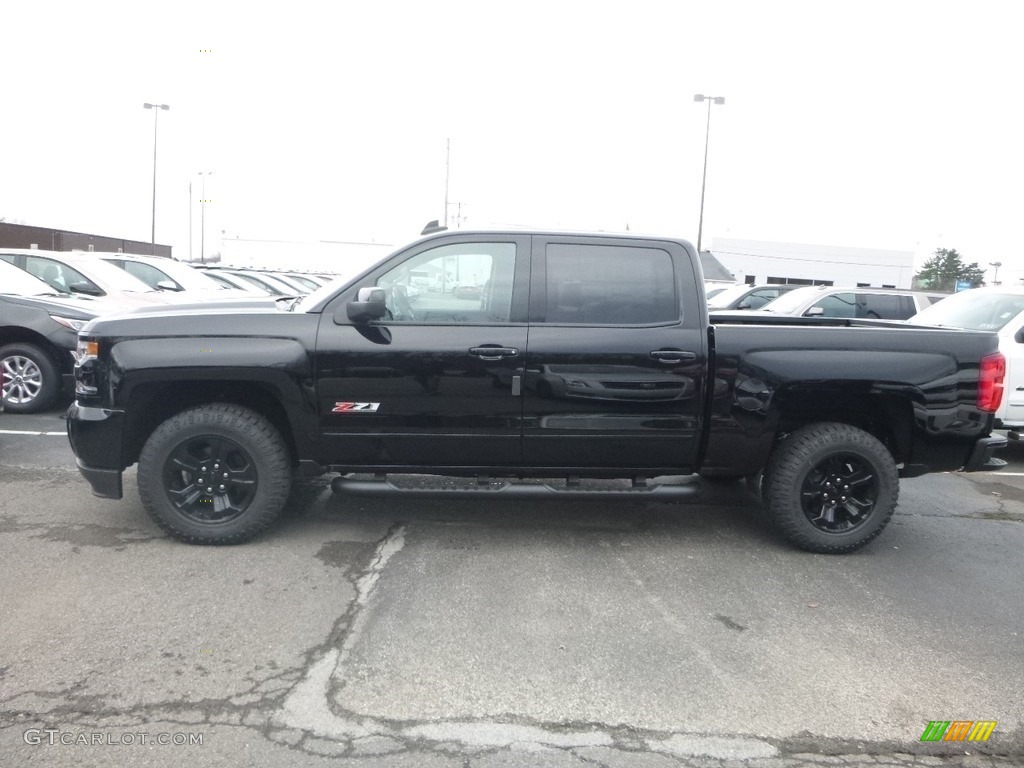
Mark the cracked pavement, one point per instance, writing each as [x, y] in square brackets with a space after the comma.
[454, 633]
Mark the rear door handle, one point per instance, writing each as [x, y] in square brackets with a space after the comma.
[672, 355]
[493, 353]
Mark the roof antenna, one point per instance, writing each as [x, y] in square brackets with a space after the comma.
[432, 227]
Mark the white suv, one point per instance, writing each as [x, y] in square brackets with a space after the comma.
[860, 303]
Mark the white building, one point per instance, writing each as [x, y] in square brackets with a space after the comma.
[759, 261]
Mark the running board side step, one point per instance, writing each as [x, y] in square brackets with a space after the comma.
[514, 490]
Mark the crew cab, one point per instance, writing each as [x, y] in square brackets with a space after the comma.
[584, 356]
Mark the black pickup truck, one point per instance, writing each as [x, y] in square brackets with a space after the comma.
[509, 357]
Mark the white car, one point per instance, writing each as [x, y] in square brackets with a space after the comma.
[84, 274]
[997, 309]
[169, 275]
[860, 303]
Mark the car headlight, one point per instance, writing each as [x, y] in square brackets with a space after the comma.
[87, 350]
[70, 323]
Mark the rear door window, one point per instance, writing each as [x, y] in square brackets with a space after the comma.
[884, 306]
[609, 285]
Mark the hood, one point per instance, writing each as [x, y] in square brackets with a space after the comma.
[67, 305]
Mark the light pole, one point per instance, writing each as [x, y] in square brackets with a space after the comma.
[202, 218]
[995, 275]
[156, 119]
[707, 133]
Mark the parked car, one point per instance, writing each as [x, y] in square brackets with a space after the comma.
[310, 281]
[229, 280]
[747, 296]
[999, 309]
[288, 280]
[169, 275]
[83, 273]
[713, 289]
[38, 336]
[865, 303]
[267, 282]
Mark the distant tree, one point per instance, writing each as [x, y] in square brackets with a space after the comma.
[945, 269]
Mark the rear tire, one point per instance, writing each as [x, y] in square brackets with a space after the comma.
[830, 488]
[31, 381]
[215, 474]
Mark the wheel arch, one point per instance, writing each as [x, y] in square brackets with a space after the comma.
[151, 404]
[11, 334]
[887, 416]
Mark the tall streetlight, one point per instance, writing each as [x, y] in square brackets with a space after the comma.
[707, 133]
[156, 119]
[202, 218]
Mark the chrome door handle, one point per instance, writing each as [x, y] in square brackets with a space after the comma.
[672, 355]
[493, 353]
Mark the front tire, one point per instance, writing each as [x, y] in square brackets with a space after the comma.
[31, 381]
[215, 474]
[831, 488]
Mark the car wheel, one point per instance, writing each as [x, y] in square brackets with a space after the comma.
[215, 474]
[830, 488]
[31, 379]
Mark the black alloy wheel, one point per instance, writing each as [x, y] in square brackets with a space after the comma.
[210, 479]
[830, 487]
[839, 493]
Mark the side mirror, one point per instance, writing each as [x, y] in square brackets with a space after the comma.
[815, 312]
[1019, 336]
[745, 304]
[86, 288]
[369, 305]
[167, 285]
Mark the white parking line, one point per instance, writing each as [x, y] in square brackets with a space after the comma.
[29, 432]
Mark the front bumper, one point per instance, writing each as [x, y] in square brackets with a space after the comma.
[95, 435]
[983, 451]
[106, 483]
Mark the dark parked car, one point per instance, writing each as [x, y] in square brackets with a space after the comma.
[38, 337]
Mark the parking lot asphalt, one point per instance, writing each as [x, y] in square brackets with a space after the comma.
[404, 631]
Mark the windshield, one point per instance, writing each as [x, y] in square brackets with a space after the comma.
[723, 299]
[976, 310]
[190, 279]
[113, 277]
[16, 282]
[790, 302]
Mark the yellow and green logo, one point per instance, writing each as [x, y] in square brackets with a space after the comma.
[958, 730]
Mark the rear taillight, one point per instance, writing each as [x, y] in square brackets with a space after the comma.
[990, 382]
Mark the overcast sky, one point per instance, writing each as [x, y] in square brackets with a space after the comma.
[895, 125]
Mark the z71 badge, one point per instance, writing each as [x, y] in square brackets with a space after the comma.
[355, 407]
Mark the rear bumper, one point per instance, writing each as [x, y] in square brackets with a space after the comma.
[983, 451]
[95, 435]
